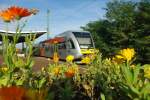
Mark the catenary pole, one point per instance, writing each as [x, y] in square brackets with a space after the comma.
[48, 23]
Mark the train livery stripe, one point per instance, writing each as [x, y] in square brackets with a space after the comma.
[87, 51]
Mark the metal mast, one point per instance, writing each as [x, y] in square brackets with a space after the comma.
[48, 23]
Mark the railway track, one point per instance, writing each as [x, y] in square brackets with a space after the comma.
[40, 62]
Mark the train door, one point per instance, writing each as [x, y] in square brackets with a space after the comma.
[70, 47]
[48, 50]
[42, 50]
[62, 50]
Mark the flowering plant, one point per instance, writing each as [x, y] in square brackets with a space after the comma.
[15, 66]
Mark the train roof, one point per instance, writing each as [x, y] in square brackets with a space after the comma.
[60, 37]
[75, 31]
[70, 31]
[54, 40]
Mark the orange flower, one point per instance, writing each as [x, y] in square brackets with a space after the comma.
[12, 93]
[19, 12]
[6, 15]
[69, 73]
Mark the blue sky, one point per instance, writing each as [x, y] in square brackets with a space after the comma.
[64, 14]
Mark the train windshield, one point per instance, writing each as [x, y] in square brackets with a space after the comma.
[84, 39]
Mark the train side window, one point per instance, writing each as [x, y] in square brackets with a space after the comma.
[62, 46]
[42, 45]
[71, 44]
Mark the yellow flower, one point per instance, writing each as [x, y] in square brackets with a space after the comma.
[4, 69]
[127, 54]
[86, 60]
[107, 61]
[118, 59]
[56, 71]
[69, 58]
[55, 57]
[147, 71]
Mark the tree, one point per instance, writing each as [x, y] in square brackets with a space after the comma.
[142, 23]
[126, 25]
[100, 34]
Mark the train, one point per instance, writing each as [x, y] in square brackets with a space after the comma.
[75, 43]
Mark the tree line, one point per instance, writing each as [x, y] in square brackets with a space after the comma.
[126, 25]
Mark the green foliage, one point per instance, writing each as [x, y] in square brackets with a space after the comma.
[134, 85]
[126, 25]
[18, 69]
[106, 76]
[102, 96]
[142, 29]
[117, 81]
[101, 35]
[66, 91]
[103, 79]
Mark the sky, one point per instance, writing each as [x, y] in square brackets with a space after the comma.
[64, 14]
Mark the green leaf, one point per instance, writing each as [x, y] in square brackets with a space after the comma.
[127, 75]
[136, 72]
[19, 82]
[4, 80]
[135, 90]
[145, 90]
[41, 82]
[102, 96]
[50, 96]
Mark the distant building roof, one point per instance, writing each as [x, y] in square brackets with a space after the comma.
[23, 35]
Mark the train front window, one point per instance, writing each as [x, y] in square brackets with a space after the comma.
[84, 39]
[71, 44]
